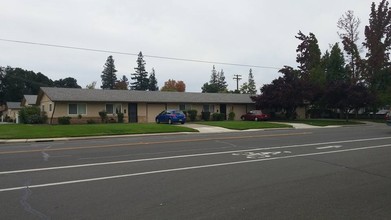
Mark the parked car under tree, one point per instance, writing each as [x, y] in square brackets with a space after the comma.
[171, 116]
[255, 115]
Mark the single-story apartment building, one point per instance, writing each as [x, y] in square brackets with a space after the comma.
[12, 111]
[137, 106]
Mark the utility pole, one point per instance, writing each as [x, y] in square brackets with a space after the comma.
[237, 77]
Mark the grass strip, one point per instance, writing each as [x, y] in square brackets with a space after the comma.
[21, 131]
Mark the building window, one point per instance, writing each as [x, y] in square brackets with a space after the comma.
[184, 107]
[208, 108]
[113, 108]
[50, 107]
[77, 109]
[43, 108]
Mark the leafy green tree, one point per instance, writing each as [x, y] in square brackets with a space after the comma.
[174, 86]
[286, 92]
[109, 76]
[68, 82]
[17, 82]
[122, 84]
[140, 77]
[32, 115]
[152, 81]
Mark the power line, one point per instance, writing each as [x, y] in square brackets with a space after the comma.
[135, 54]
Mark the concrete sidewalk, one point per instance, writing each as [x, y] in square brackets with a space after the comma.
[213, 129]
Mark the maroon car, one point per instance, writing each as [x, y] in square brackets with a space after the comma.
[255, 115]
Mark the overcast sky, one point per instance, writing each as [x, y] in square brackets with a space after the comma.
[251, 32]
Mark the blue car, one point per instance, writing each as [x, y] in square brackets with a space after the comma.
[170, 117]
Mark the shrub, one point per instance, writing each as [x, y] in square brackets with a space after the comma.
[65, 120]
[218, 117]
[120, 117]
[103, 116]
[205, 116]
[231, 116]
[32, 115]
[91, 121]
[192, 114]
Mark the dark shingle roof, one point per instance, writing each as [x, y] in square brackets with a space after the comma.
[13, 105]
[98, 95]
[30, 99]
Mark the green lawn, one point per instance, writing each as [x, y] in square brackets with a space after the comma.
[325, 122]
[244, 125]
[20, 131]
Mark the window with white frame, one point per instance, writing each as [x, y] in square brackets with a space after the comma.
[113, 108]
[77, 109]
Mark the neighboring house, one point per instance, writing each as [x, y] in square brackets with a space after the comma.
[29, 100]
[137, 106]
[12, 111]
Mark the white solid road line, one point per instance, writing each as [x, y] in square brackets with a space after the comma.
[186, 168]
[328, 147]
[184, 156]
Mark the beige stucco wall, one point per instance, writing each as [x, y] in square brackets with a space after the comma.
[12, 113]
[60, 109]
[146, 112]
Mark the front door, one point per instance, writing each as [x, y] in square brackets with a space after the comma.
[132, 112]
[223, 110]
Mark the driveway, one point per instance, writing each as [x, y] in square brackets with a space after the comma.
[213, 129]
[207, 129]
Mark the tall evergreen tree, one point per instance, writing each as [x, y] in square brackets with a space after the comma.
[152, 81]
[378, 44]
[308, 56]
[140, 77]
[335, 67]
[214, 76]
[252, 89]
[109, 77]
[349, 25]
[221, 83]
[216, 83]
[249, 86]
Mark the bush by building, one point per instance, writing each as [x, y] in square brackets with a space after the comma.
[32, 115]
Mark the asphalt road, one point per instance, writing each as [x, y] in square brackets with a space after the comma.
[328, 173]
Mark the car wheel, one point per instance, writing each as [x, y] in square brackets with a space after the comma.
[242, 118]
[157, 121]
[182, 122]
[169, 121]
[256, 119]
